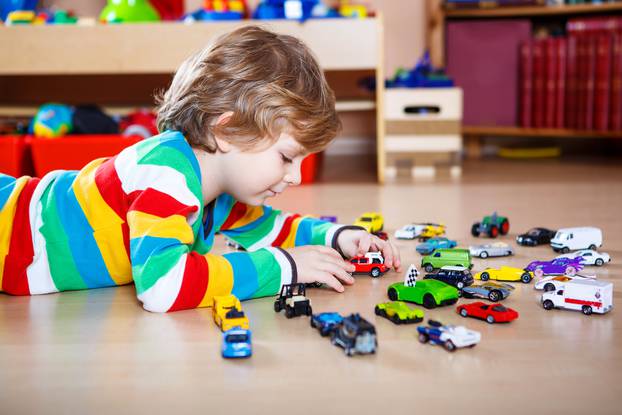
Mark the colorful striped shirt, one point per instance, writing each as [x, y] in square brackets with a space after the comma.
[139, 217]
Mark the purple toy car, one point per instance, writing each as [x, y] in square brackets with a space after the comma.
[557, 266]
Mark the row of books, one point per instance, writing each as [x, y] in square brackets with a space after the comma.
[574, 81]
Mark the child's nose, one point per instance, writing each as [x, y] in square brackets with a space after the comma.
[293, 177]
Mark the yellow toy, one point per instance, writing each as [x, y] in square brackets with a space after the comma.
[370, 221]
[505, 274]
[352, 10]
[430, 230]
[227, 313]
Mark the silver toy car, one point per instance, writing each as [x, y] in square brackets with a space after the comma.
[494, 249]
[493, 291]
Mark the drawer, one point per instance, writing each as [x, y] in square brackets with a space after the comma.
[407, 104]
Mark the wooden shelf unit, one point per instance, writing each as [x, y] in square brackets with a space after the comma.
[533, 11]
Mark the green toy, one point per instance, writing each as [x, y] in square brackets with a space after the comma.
[129, 11]
[443, 257]
[429, 293]
[398, 312]
[492, 226]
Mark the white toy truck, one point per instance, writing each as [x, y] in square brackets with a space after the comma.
[572, 239]
[588, 296]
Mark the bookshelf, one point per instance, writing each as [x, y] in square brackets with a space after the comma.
[533, 11]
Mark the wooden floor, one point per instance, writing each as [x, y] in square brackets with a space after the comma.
[99, 352]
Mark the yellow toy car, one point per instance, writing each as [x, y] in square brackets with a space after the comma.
[430, 230]
[505, 274]
[370, 221]
[398, 312]
[227, 313]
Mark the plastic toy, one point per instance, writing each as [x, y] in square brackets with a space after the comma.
[492, 226]
[432, 244]
[382, 235]
[444, 257]
[492, 291]
[588, 295]
[142, 123]
[371, 263]
[370, 221]
[535, 236]
[290, 9]
[422, 231]
[8, 6]
[355, 335]
[219, 10]
[227, 312]
[398, 312]
[20, 17]
[487, 250]
[568, 239]
[557, 266]
[505, 274]
[430, 293]
[556, 282]
[492, 313]
[459, 277]
[326, 322]
[352, 10]
[423, 75]
[129, 11]
[292, 299]
[589, 257]
[236, 343]
[52, 120]
[329, 218]
[451, 337]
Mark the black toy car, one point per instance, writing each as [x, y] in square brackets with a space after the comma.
[355, 335]
[292, 299]
[459, 277]
[535, 236]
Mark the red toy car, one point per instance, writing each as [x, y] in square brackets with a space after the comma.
[371, 263]
[492, 313]
[382, 235]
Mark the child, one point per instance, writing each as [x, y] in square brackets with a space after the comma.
[238, 119]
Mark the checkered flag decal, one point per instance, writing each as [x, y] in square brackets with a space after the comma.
[410, 278]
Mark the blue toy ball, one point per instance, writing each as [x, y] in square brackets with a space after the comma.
[52, 120]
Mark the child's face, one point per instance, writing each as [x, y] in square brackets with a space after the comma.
[253, 176]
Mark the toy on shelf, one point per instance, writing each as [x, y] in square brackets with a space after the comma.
[487, 250]
[432, 244]
[568, 239]
[491, 226]
[129, 11]
[219, 10]
[505, 274]
[430, 293]
[450, 337]
[444, 257]
[557, 266]
[236, 343]
[370, 221]
[555, 282]
[398, 312]
[371, 263]
[492, 313]
[589, 256]
[535, 236]
[355, 335]
[585, 295]
[292, 299]
[352, 10]
[141, 122]
[52, 120]
[227, 312]
[423, 75]
[292, 9]
[489, 290]
[459, 277]
[19, 17]
[326, 322]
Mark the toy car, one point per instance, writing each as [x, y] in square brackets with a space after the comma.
[429, 293]
[492, 313]
[442, 257]
[382, 235]
[577, 238]
[370, 221]
[227, 312]
[485, 250]
[459, 277]
[398, 312]
[371, 263]
[492, 226]
[451, 337]
[236, 342]
[355, 335]
[410, 231]
[326, 322]
[492, 291]
[555, 282]
[505, 274]
[431, 230]
[535, 236]
[588, 296]
[557, 266]
[432, 244]
[292, 299]
[589, 256]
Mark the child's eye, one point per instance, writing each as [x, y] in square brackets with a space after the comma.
[286, 159]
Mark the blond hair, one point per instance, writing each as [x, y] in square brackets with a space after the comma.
[271, 82]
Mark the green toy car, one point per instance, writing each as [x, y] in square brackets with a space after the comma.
[429, 293]
[492, 226]
[398, 312]
[443, 257]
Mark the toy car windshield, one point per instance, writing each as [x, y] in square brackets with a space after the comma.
[237, 338]
[499, 308]
[234, 313]
[533, 232]
[365, 219]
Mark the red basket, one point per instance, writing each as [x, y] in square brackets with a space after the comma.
[73, 152]
[13, 155]
[310, 166]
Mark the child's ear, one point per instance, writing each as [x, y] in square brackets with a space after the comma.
[223, 145]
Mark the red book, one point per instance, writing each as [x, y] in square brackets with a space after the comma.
[581, 97]
[560, 88]
[594, 25]
[550, 81]
[590, 78]
[571, 82]
[538, 84]
[615, 110]
[526, 83]
[602, 82]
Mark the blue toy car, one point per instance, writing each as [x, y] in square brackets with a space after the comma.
[236, 342]
[432, 244]
[450, 337]
[325, 322]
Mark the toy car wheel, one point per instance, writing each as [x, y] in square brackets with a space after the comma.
[428, 268]
[377, 311]
[494, 296]
[538, 273]
[475, 229]
[599, 262]
[549, 287]
[490, 319]
[463, 312]
[508, 253]
[460, 285]
[324, 332]
[277, 306]
[309, 311]
[313, 325]
[349, 351]
[525, 278]
[505, 227]
[587, 310]
[570, 270]
[493, 232]
[289, 312]
[375, 273]
[449, 346]
[547, 304]
[392, 294]
[484, 276]
[333, 339]
[565, 250]
[428, 301]
[423, 338]
[396, 319]
[483, 255]
[592, 247]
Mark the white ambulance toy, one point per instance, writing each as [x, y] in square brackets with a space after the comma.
[586, 295]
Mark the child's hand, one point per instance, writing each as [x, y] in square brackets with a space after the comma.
[322, 264]
[358, 242]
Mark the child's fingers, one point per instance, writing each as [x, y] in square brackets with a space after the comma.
[397, 260]
[338, 271]
[364, 244]
[331, 281]
[326, 250]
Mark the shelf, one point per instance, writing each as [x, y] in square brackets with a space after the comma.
[530, 11]
[536, 132]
